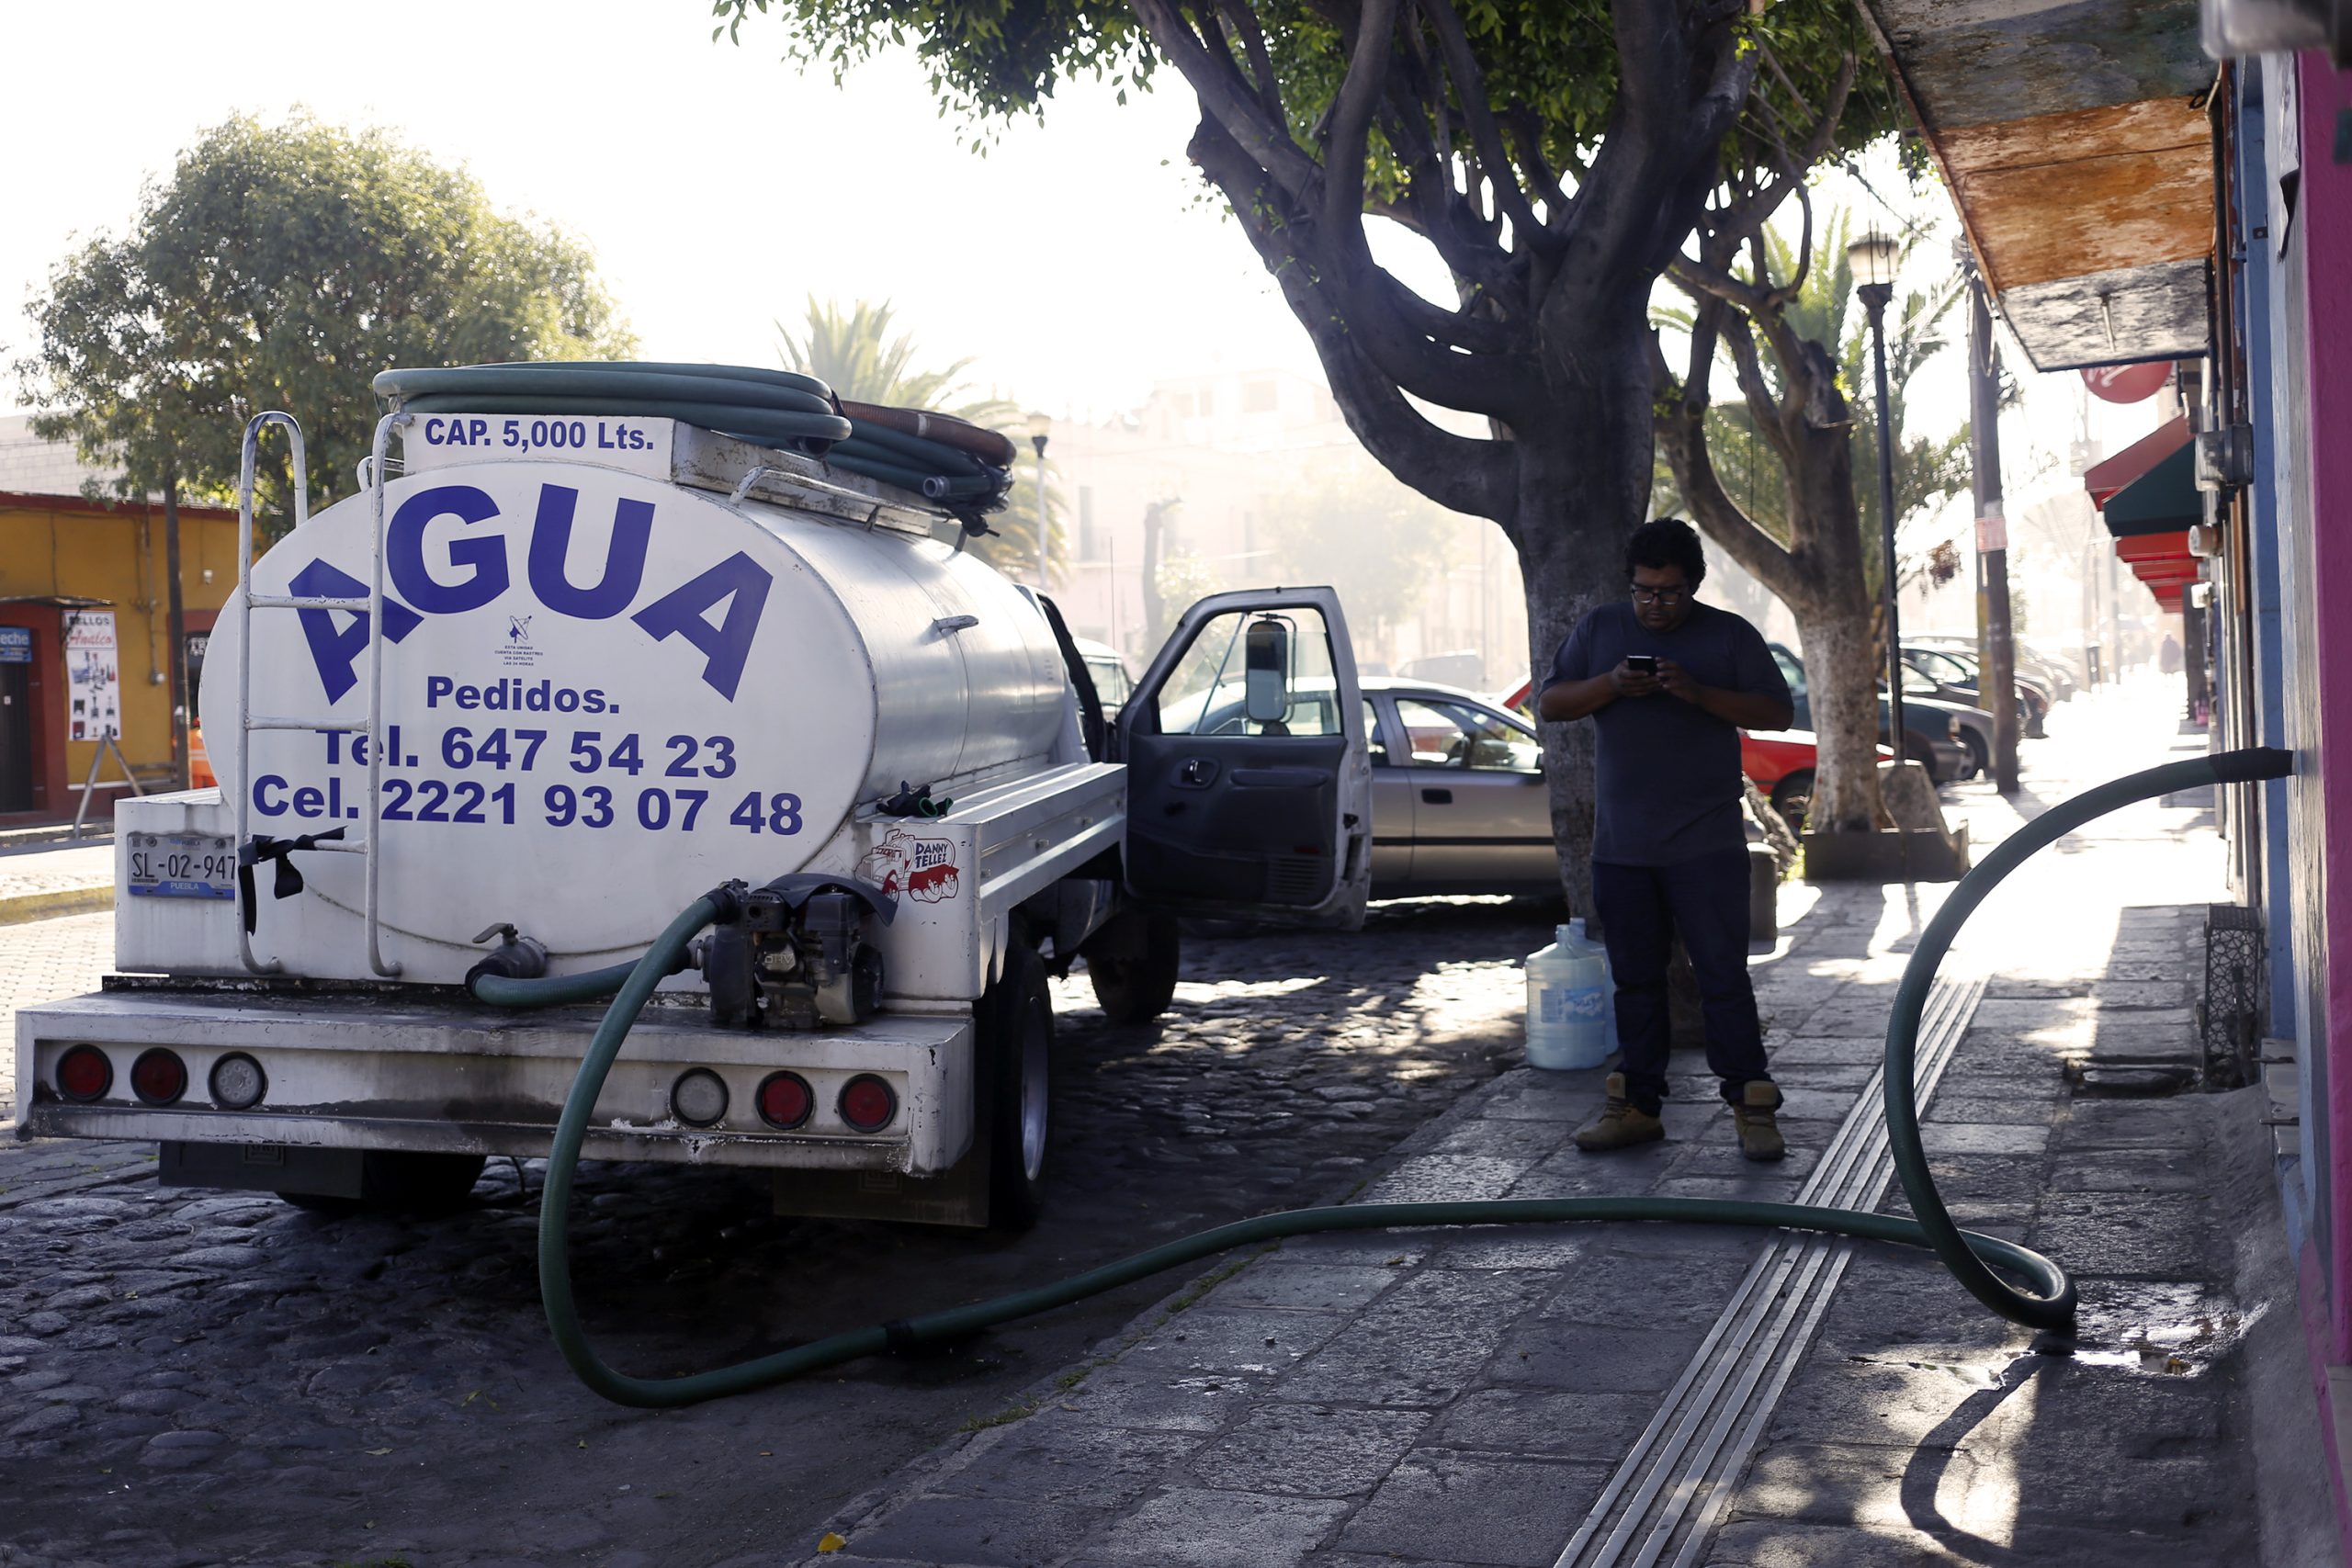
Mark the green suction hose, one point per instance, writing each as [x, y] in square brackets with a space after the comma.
[774, 408]
[1971, 1256]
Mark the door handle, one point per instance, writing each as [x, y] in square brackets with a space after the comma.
[1197, 773]
[1438, 796]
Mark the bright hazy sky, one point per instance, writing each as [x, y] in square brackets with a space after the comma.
[1074, 262]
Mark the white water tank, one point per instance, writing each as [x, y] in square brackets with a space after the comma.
[612, 692]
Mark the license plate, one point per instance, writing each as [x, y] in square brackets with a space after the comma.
[183, 865]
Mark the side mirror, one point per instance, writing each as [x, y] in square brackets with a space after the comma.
[1265, 691]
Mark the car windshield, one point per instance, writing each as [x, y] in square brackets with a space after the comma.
[1111, 684]
[1221, 710]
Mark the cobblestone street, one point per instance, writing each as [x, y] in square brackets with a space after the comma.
[196, 1377]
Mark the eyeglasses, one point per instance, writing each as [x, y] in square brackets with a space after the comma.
[1660, 595]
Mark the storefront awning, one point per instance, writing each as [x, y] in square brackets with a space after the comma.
[2150, 487]
[2076, 145]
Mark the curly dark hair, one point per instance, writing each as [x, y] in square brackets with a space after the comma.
[1666, 541]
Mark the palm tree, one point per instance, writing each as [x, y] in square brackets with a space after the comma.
[855, 353]
[1928, 469]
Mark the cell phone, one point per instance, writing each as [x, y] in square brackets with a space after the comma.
[1642, 663]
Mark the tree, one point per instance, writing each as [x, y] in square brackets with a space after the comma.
[1554, 156]
[282, 267]
[1800, 523]
[855, 354]
[1376, 542]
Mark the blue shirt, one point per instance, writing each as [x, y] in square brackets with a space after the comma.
[1666, 780]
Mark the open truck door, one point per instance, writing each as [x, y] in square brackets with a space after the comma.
[1249, 784]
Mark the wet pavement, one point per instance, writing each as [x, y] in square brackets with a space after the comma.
[1526, 1397]
[201, 1377]
[209, 1378]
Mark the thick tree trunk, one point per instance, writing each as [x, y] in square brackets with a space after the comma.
[1831, 603]
[1841, 671]
[1584, 485]
[1819, 573]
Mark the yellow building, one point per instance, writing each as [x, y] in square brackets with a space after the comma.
[84, 630]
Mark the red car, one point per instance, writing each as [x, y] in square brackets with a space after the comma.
[1781, 765]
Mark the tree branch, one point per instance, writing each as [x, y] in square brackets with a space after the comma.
[1349, 145]
[1467, 475]
[1437, 206]
[1470, 87]
[1244, 21]
[1681, 433]
[1225, 94]
[1529, 129]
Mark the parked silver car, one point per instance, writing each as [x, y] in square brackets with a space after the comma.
[1458, 802]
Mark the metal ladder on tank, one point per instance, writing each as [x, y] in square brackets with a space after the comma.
[371, 727]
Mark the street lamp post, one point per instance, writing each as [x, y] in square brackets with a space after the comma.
[1040, 427]
[1874, 257]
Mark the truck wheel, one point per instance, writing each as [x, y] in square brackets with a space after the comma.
[402, 1180]
[1015, 1020]
[1793, 798]
[1132, 961]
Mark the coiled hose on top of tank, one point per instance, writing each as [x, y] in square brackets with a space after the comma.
[773, 408]
[1971, 1256]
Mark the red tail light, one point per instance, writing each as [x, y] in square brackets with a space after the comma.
[785, 1101]
[158, 1077]
[84, 1073]
[868, 1103]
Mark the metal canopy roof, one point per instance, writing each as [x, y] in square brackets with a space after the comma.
[2080, 159]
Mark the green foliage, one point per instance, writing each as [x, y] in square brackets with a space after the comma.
[1928, 469]
[1552, 67]
[282, 267]
[854, 351]
[991, 60]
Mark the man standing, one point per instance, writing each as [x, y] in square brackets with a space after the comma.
[1670, 683]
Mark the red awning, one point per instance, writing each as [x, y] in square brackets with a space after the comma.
[2103, 480]
[2154, 547]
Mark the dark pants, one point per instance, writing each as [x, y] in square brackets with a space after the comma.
[1641, 909]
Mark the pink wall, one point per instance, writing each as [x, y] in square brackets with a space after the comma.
[2324, 213]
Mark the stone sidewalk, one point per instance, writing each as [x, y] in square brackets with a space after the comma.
[1448, 1398]
[41, 882]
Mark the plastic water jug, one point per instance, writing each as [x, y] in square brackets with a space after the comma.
[1571, 1004]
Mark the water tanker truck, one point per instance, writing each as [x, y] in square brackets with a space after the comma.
[593, 642]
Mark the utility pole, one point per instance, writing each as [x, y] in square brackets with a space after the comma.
[1992, 532]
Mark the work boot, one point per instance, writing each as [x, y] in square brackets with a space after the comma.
[1759, 1131]
[1621, 1123]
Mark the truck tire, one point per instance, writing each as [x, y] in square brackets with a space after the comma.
[402, 1180]
[1015, 1047]
[1132, 961]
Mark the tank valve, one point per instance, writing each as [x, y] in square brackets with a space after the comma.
[516, 956]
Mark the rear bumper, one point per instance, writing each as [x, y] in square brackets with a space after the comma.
[378, 1070]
